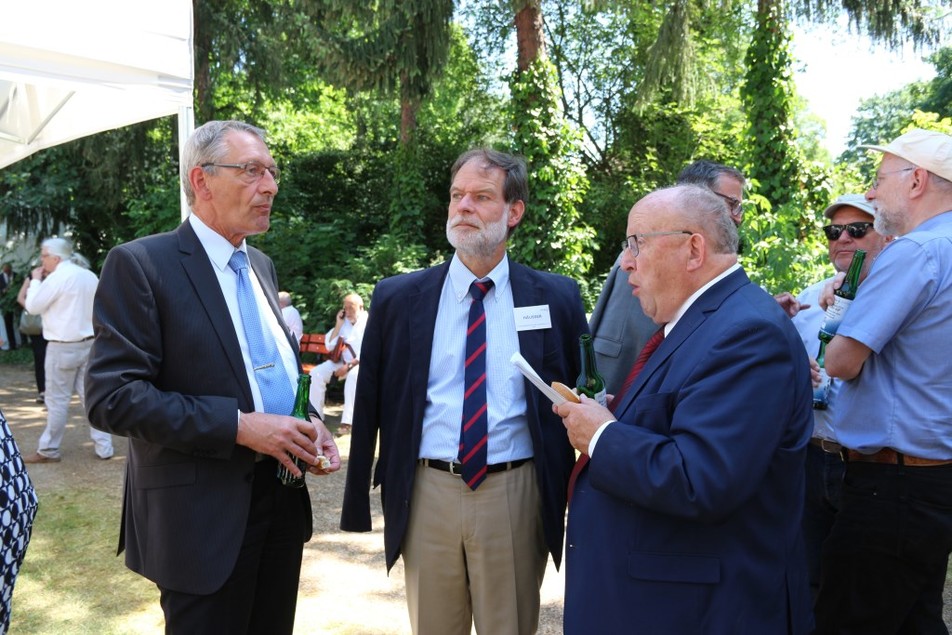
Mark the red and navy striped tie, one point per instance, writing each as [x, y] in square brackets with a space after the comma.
[474, 432]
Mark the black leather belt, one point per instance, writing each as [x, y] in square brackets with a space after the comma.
[85, 339]
[830, 447]
[454, 468]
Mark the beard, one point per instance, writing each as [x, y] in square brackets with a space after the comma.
[482, 242]
[887, 222]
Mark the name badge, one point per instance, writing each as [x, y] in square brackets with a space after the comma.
[531, 318]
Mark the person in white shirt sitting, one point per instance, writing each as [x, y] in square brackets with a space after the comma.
[347, 333]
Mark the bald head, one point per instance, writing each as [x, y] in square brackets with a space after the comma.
[685, 238]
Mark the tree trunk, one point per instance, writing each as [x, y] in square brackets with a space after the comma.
[409, 106]
[530, 39]
[204, 108]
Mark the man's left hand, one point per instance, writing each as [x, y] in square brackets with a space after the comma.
[327, 447]
[582, 420]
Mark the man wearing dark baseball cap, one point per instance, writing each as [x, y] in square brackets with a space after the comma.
[884, 562]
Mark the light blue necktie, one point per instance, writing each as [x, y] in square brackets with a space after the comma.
[272, 378]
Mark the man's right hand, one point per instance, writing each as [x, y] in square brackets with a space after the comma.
[277, 436]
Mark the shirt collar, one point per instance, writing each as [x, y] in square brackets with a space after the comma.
[697, 294]
[461, 277]
[219, 250]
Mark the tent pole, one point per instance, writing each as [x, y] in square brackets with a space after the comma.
[186, 124]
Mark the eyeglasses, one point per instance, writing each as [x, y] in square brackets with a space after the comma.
[252, 171]
[632, 242]
[855, 230]
[880, 175]
[733, 204]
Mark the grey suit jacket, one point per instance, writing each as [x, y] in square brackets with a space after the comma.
[619, 328]
[166, 371]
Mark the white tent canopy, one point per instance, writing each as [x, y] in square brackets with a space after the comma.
[70, 69]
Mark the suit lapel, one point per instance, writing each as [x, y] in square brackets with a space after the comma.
[695, 316]
[422, 305]
[198, 269]
[525, 293]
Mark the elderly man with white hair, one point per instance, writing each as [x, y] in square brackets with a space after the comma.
[884, 563]
[65, 301]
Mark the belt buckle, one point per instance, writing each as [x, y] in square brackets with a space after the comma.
[830, 447]
[452, 468]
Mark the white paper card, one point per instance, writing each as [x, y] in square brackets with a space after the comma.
[520, 362]
[531, 318]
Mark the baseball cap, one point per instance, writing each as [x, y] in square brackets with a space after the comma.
[850, 200]
[926, 148]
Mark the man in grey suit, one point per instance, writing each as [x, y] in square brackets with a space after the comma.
[619, 327]
[204, 516]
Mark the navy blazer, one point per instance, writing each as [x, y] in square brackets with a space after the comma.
[166, 371]
[687, 518]
[391, 395]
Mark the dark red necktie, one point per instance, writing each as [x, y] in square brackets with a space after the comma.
[653, 343]
[474, 433]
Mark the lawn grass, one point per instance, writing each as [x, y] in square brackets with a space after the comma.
[66, 584]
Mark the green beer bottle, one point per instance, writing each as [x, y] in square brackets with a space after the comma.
[590, 383]
[842, 297]
[821, 394]
[300, 411]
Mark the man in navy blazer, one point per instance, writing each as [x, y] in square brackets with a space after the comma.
[687, 516]
[204, 515]
[469, 554]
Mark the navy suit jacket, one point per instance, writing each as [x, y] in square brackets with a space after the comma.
[687, 518]
[166, 371]
[391, 395]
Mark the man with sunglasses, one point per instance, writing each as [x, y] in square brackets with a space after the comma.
[619, 326]
[851, 219]
[884, 562]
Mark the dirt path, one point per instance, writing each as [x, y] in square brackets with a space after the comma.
[344, 585]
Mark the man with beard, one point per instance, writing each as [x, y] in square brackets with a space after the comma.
[474, 464]
[884, 562]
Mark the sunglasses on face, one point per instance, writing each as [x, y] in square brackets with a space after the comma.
[855, 230]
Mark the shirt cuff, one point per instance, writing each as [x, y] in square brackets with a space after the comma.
[598, 433]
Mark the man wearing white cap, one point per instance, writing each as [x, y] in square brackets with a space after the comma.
[850, 228]
[884, 562]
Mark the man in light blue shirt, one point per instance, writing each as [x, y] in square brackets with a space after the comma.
[884, 563]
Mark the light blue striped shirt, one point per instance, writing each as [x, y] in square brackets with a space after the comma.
[509, 437]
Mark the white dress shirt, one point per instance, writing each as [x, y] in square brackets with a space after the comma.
[65, 301]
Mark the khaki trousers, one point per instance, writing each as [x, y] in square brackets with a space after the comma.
[474, 556]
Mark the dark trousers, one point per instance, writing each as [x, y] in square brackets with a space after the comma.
[885, 561]
[39, 361]
[824, 484]
[8, 321]
[260, 595]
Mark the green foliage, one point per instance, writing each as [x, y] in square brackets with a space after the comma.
[784, 249]
[892, 22]
[768, 95]
[552, 236]
[881, 119]
[939, 96]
